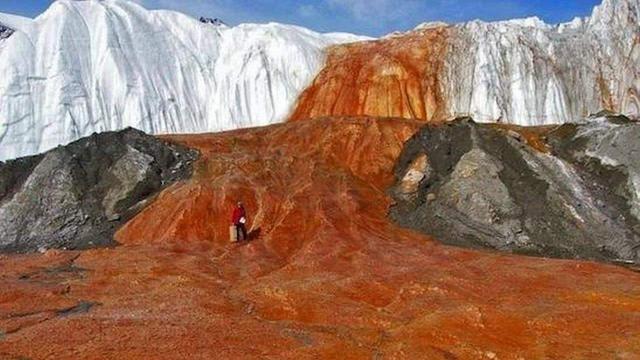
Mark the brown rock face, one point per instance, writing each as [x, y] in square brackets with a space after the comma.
[326, 274]
[393, 77]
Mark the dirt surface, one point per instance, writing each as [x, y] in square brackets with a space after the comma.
[326, 274]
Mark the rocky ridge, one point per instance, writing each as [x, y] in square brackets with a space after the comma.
[76, 196]
[562, 191]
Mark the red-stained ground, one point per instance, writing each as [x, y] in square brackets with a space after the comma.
[327, 275]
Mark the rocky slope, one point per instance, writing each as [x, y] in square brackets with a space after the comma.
[327, 274]
[85, 66]
[565, 191]
[521, 71]
[75, 197]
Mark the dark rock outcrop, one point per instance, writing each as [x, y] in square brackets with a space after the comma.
[568, 191]
[5, 32]
[76, 196]
[215, 22]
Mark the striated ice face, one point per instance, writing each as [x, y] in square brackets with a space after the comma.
[91, 66]
[529, 73]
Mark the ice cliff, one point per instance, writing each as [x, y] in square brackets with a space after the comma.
[93, 66]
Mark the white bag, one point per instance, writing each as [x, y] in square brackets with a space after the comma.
[233, 233]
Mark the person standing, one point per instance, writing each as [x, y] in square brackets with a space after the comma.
[239, 220]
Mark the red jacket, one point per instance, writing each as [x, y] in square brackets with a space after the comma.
[238, 213]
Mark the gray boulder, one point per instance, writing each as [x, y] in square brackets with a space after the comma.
[76, 196]
[486, 186]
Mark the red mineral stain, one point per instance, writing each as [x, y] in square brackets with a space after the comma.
[392, 77]
[325, 276]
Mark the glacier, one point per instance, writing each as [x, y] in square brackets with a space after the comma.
[99, 65]
[527, 72]
[523, 71]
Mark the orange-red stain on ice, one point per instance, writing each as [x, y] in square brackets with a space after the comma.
[398, 76]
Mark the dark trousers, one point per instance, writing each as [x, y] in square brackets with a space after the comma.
[242, 232]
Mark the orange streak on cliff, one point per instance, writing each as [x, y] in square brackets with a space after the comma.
[392, 77]
[329, 276]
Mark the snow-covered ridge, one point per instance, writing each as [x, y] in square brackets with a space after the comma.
[91, 66]
[16, 22]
